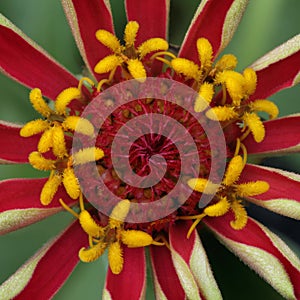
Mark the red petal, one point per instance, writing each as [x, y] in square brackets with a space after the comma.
[56, 265]
[165, 278]
[282, 184]
[18, 195]
[14, 147]
[255, 235]
[85, 18]
[130, 284]
[28, 64]
[282, 136]
[152, 16]
[209, 23]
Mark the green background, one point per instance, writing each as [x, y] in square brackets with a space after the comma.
[266, 24]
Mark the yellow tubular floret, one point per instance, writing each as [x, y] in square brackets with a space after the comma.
[233, 171]
[45, 142]
[205, 52]
[206, 93]
[39, 162]
[65, 98]
[130, 33]
[39, 103]
[34, 127]
[186, 67]
[58, 142]
[252, 188]
[108, 64]
[221, 113]
[81, 125]
[218, 209]
[89, 225]
[119, 213]
[250, 81]
[203, 185]
[109, 40]
[115, 258]
[266, 106]
[226, 62]
[136, 238]
[49, 189]
[240, 215]
[255, 125]
[136, 69]
[71, 183]
[91, 254]
[154, 44]
[87, 155]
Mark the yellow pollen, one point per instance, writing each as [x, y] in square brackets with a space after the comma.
[65, 98]
[39, 103]
[87, 155]
[81, 125]
[39, 162]
[221, 113]
[46, 141]
[91, 254]
[252, 188]
[255, 125]
[119, 213]
[58, 141]
[266, 106]
[109, 40]
[218, 209]
[49, 189]
[154, 44]
[108, 64]
[34, 127]
[136, 69]
[205, 52]
[226, 62]
[136, 238]
[233, 171]
[186, 67]
[70, 183]
[240, 215]
[206, 93]
[130, 33]
[250, 81]
[203, 185]
[89, 225]
[115, 258]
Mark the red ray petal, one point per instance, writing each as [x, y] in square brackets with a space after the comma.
[254, 235]
[85, 18]
[56, 265]
[28, 64]
[130, 284]
[152, 16]
[165, 273]
[282, 136]
[281, 185]
[14, 147]
[208, 24]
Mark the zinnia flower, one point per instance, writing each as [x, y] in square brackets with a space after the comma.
[217, 192]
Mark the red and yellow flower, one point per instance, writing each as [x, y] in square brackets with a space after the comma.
[179, 263]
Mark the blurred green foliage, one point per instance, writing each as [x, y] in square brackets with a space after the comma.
[266, 24]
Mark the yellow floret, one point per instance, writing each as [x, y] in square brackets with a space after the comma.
[115, 258]
[58, 142]
[65, 98]
[70, 183]
[203, 185]
[39, 104]
[252, 188]
[45, 142]
[233, 171]
[91, 254]
[49, 189]
[266, 106]
[136, 69]
[226, 62]
[119, 213]
[136, 238]
[87, 155]
[186, 67]
[109, 40]
[206, 93]
[205, 52]
[81, 125]
[221, 113]
[41, 163]
[34, 127]
[250, 81]
[108, 64]
[154, 44]
[130, 33]
[89, 225]
[218, 209]
[255, 125]
[240, 215]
